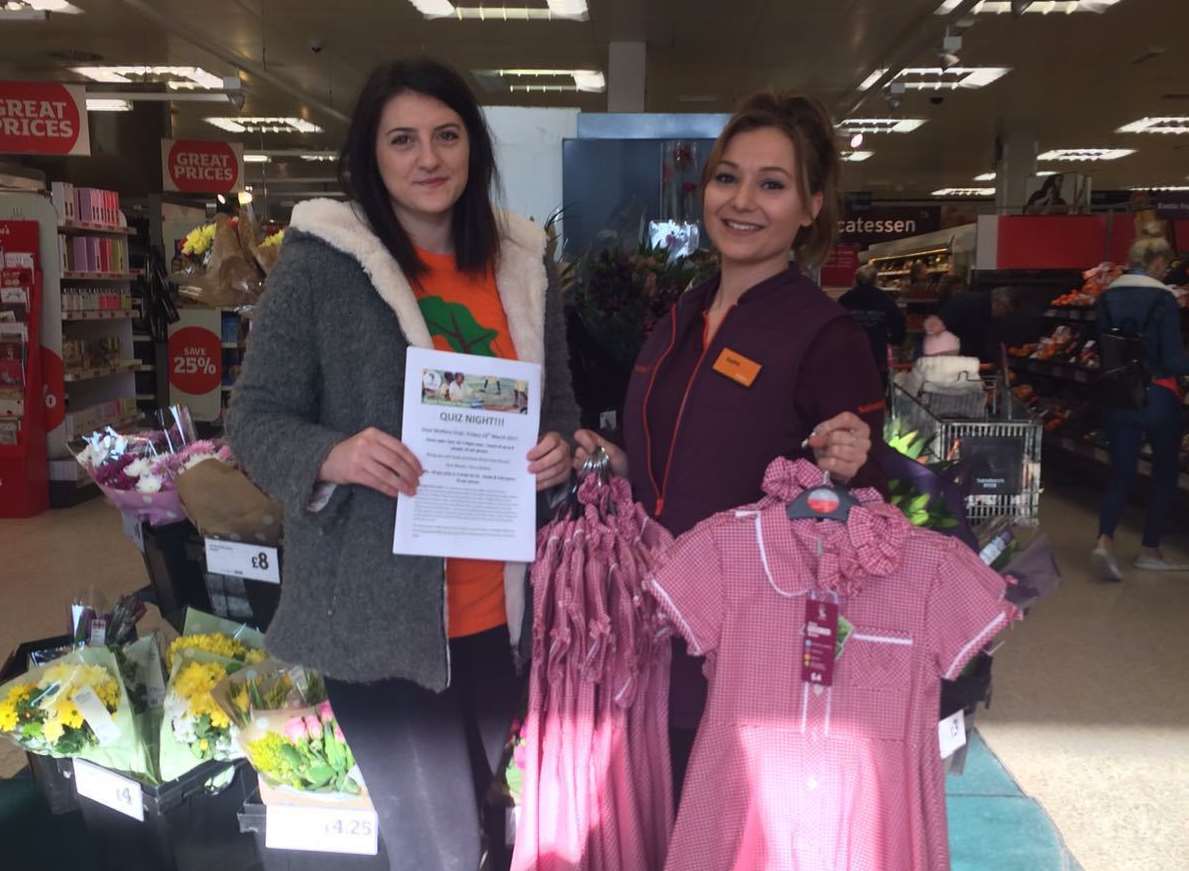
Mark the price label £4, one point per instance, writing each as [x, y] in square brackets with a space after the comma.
[249, 561]
[109, 789]
[324, 830]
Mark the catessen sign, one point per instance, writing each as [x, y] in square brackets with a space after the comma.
[43, 118]
[199, 166]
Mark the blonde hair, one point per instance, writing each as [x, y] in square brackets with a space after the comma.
[1149, 247]
[807, 124]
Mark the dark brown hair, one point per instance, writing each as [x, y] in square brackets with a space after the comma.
[807, 124]
[473, 224]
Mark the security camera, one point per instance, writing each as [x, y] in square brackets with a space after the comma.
[937, 100]
[948, 59]
[894, 101]
[316, 46]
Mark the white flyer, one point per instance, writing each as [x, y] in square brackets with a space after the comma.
[471, 421]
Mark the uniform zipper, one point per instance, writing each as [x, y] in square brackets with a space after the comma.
[662, 491]
[648, 429]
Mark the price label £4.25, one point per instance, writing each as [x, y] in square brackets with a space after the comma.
[249, 561]
[325, 830]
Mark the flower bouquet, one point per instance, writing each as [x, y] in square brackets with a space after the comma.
[225, 262]
[286, 728]
[75, 706]
[194, 729]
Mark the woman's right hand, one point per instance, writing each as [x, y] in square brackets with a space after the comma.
[589, 441]
[373, 459]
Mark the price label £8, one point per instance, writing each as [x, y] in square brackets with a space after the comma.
[249, 561]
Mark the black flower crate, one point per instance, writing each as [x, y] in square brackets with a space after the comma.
[175, 558]
[253, 819]
[189, 824]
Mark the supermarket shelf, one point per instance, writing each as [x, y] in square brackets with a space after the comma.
[74, 431]
[1072, 313]
[934, 270]
[1099, 455]
[98, 276]
[145, 367]
[146, 397]
[1061, 371]
[99, 316]
[141, 337]
[227, 388]
[79, 227]
[231, 345]
[75, 375]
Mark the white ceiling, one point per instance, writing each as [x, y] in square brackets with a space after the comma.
[1075, 78]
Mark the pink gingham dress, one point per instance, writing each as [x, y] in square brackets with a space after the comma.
[788, 778]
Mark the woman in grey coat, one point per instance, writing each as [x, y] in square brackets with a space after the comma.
[418, 652]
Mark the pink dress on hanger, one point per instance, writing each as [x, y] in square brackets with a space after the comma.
[785, 777]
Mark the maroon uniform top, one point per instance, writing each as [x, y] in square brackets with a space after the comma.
[699, 441]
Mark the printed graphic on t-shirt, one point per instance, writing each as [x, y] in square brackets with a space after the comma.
[454, 328]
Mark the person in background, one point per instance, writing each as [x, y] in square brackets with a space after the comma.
[919, 286]
[417, 652]
[1139, 301]
[939, 341]
[877, 313]
[755, 364]
[968, 316]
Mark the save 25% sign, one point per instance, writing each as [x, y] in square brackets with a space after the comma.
[195, 360]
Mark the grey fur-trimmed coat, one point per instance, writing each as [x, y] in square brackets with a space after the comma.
[326, 360]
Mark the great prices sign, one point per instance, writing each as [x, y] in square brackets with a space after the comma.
[200, 166]
[43, 118]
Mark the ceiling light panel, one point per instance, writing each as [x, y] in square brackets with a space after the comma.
[856, 156]
[61, 7]
[586, 81]
[964, 192]
[986, 176]
[1084, 154]
[257, 158]
[554, 10]
[1161, 187]
[1174, 124]
[1042, 7]
[100, 104]
[939, 79]
[178, 78]
[880, 125]
[264, 124]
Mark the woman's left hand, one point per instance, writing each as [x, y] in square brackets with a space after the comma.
[841, 445]
[551, 461]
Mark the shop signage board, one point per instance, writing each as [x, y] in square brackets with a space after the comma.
[43, 118]
[865, 226]
[202, 166]
[196, 362]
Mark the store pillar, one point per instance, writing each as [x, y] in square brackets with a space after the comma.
[627, 67]
[1015, 149]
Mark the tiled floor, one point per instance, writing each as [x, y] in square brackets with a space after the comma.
[1090, 711]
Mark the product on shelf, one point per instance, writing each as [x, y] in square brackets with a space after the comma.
[1097, 280]
[100, 208]
[82, 354]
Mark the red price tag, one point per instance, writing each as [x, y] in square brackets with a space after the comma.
[195, 360]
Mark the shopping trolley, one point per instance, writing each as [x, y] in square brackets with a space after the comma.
[995, 438]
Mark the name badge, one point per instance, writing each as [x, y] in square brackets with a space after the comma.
[738, 368]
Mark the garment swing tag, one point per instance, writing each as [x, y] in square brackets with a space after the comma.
[819, 643]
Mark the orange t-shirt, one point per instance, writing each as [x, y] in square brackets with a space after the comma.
[465, 315]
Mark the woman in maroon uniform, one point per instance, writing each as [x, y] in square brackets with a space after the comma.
[758, 362]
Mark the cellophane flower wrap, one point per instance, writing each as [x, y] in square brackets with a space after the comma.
[288, 731]
[44, 711]
[194, 729]
[137, 471]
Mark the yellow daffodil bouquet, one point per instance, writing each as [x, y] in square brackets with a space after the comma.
[288, 731]
[194, 729]
[74, 706]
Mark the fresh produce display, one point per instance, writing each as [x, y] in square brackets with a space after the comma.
[1071, 345]
[1097, 280]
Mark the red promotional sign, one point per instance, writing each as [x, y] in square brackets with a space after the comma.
[840, 266]
[43, 118]
[195, 360]
[198, 166]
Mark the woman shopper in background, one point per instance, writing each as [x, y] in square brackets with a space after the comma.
[758, 362]
[877, 313]
[417, 651]
[1141, 303]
